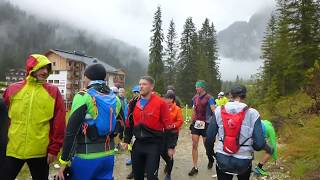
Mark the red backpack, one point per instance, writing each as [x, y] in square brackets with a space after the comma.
[232, 125]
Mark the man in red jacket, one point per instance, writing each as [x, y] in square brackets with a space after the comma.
[148, 121]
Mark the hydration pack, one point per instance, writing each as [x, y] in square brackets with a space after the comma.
[232, 126]
[105, 121]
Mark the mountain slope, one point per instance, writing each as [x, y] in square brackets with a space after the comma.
[21, 34]
[241, 40]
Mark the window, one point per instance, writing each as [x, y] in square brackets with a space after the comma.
[62, 91]
[56, 72]
[56, 81]
[50, 81]
[54, 63]
[70, 63]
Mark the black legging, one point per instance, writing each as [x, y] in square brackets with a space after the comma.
[167, 159]
[224, 176]
[145, 158]
[39, 168]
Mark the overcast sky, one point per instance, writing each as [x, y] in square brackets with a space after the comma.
[131, 20]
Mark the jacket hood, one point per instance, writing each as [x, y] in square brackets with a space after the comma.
[36, 62]
[234, 107]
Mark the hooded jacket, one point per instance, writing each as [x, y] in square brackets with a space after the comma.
[251, 136]
[36, 113]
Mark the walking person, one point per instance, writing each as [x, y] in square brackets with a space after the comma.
[222, 99]
[238, 130]
[37, 121]
[271, 150]
[177, 122]
[203, 108]
[148, 121]
[89, 140]
[136, 94]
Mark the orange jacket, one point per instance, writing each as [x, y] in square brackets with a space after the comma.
[176, 116]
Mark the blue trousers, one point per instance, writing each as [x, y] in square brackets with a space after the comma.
[92, 169]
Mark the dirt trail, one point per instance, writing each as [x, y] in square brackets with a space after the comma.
[182, 164]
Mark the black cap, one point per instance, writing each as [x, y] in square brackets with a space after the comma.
[95, 72]
[170, 95]
[239, 91]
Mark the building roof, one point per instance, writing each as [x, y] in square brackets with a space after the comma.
[82, 57]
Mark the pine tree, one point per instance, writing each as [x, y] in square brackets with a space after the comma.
[156, 66]
[268, 54]
[290, 47]
[187, 62]
[208, 56]
[171, 55]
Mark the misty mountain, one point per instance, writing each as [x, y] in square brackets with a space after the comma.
[241, 40]
[22, 34]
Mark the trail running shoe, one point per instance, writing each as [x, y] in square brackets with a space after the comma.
[193, 171]
[261, 171]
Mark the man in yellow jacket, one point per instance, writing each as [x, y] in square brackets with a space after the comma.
[37, 121]
[222, 99]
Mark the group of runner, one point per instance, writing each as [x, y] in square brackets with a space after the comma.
[33, 128]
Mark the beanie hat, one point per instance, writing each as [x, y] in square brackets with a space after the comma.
[95, 72]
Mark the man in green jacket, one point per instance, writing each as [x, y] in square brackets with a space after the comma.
[89, 138]
[271, 147]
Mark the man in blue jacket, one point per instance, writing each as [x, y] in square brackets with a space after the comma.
[234, 151]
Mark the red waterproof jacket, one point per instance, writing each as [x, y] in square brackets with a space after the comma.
[149, 123]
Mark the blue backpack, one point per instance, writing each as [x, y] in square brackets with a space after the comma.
[106, 105]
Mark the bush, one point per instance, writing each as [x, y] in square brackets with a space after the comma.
[288, 109]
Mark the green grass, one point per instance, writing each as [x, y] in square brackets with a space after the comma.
[187, 115]
[302, 149]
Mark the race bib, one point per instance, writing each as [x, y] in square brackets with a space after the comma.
[200, 124]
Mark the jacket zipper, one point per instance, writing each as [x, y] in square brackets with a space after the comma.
[28, 118]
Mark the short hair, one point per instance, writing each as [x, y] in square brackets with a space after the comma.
[239, 91]
[171, 87]
[149, 79]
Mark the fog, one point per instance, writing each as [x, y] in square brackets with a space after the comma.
[230, 68]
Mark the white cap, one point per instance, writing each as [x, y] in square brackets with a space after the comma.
[114, 89]
[221, 94]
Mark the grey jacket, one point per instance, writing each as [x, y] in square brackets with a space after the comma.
[251, 134]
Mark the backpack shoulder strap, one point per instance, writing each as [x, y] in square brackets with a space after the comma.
[245, 109]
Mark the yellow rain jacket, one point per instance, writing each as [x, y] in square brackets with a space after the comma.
[37, 115]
